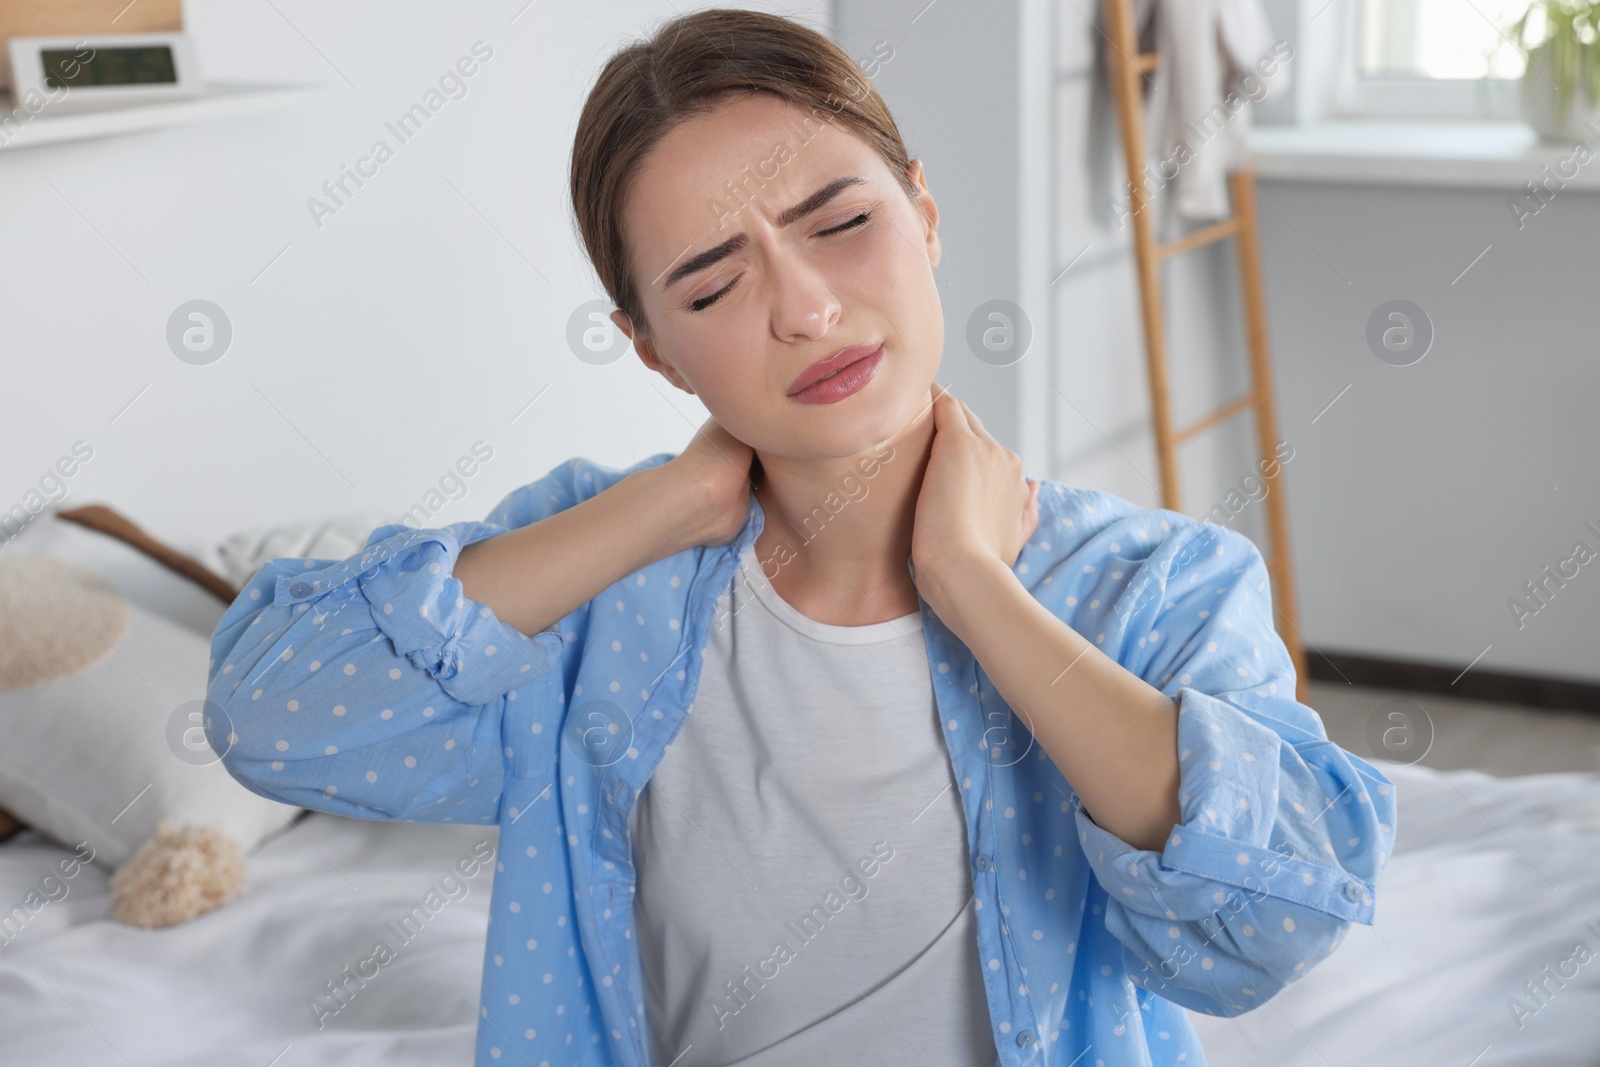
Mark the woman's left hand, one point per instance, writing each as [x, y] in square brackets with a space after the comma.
[974, 505]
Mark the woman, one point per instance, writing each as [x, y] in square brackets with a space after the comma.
[913, 673]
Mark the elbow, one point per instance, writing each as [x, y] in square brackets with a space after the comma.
[234, 728]
[1226, 993]
[1281, 942]
[1249, 959]
[267, 671]
[1205, 991]
[244, 765]
[1230, 961]
[248, 684]
[1263, 984]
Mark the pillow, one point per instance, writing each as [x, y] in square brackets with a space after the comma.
[339, 537]
[149, 573]
[101, 704]
[104, 660]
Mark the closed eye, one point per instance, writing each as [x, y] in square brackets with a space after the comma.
[859, 220]
[706, 301]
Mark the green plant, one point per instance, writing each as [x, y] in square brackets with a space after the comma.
[1569, 32]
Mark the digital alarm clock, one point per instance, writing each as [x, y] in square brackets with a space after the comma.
[102, 70]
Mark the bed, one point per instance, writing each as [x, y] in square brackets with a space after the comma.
[1492, 881]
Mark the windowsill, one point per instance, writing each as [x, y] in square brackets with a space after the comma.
[1439, 153]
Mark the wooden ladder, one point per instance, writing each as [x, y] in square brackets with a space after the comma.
[1127, 67]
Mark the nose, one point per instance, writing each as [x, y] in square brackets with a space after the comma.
[803, 304]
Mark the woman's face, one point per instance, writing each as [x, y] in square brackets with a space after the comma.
[790, 291]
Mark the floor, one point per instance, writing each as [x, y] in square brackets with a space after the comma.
[1500, 739]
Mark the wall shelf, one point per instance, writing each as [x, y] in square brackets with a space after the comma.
[222, 100]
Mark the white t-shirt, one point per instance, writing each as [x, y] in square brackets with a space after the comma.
[803, 889]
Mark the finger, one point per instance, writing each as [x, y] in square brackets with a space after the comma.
[949, 412]
[977, 427]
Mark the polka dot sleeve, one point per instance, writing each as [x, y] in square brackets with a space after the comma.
[1283, 834]
[418, 604]
[371, 687]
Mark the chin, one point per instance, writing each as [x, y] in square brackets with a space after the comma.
[853, 428]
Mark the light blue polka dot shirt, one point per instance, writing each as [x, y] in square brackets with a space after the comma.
[371, 687]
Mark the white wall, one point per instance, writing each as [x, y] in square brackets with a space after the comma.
[372, 355]
[1428, 495]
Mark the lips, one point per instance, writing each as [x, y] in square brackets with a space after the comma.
[838, 361]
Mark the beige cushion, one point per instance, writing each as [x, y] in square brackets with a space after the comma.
[104, 654]
[100, 753]
[56, 618]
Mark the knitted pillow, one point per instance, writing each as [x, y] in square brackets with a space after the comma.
[104, 653]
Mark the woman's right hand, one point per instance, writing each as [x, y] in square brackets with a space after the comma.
[711, 477]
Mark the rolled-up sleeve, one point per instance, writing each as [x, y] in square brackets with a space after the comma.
[405, 576]
[372, 687]
[1283, 834]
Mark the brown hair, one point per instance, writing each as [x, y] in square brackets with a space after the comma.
[685, 69]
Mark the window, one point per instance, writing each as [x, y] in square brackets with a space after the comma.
[1430, 58]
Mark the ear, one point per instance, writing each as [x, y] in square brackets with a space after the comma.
[929, 209]
[648, 355]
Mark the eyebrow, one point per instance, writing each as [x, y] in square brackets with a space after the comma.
[712, 256]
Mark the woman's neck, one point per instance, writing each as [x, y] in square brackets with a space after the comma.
[837, 532]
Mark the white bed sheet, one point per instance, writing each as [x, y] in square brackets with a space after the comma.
[235, 985]
[1492, 880]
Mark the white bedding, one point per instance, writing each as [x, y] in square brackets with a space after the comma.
[1492, 880]
[1467, 913]
[234, 987]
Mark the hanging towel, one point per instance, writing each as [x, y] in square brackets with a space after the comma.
[1216, 58]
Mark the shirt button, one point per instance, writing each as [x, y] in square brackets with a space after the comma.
[299, 589]
[984, 862]
[1025, 1038]
[1352, 891]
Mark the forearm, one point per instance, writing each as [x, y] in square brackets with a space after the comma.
[537, 574]
[1112, 734]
